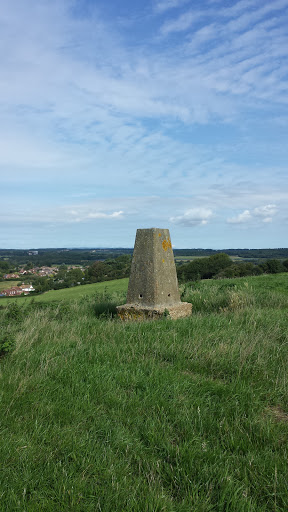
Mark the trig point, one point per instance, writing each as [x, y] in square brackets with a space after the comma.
[153, 287]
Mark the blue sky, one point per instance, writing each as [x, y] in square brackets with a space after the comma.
[129, 114]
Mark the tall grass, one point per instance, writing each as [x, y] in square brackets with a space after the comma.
[186, 415]
[236, 294]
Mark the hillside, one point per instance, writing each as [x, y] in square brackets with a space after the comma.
[74, 293]
[187, 415]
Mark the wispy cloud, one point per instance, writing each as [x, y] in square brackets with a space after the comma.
[165, 5]
[78, 216]
[101, 215]
[223, 49]
[182, 103]
[193, 217]
[183, 22]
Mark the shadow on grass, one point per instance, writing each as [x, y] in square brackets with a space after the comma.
[105, 309]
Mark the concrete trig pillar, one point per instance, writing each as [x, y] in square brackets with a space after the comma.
[153, 286]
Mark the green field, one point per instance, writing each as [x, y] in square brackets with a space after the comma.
[68, 294]
[4, 285]
[174, 416]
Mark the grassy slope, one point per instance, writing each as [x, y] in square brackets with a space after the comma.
[262, 283]
[189, 415]
[67, 294]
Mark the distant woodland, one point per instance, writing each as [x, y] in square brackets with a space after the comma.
[48, 257]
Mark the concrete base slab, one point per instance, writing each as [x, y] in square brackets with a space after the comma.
[139, 312]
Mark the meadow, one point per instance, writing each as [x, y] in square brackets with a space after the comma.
[186, 415]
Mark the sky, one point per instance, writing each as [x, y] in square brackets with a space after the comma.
[118, 115]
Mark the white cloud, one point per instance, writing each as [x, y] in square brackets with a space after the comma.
[101, 215]
[266, 211]
[242, 218]
[261, 213]
[81, 216]
[193, 217]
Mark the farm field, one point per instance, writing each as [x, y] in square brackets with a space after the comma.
[186, 415]
[191, 258]
[186, 259]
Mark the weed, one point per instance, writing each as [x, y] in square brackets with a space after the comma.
[7, 343]
[14, 312]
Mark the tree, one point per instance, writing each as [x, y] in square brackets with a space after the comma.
[241, 269]
[61, 274]
[43, 284]
[96, 272]
[203, 268]
[4, 266]
[273, 266]
[114, 268]
[74, 276]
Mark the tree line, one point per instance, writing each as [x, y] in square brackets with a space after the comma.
[220, 265]
[250, 254]
[49, 257]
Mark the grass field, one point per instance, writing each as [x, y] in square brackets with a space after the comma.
[186, 415]
[74, 293]
[7, 284]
